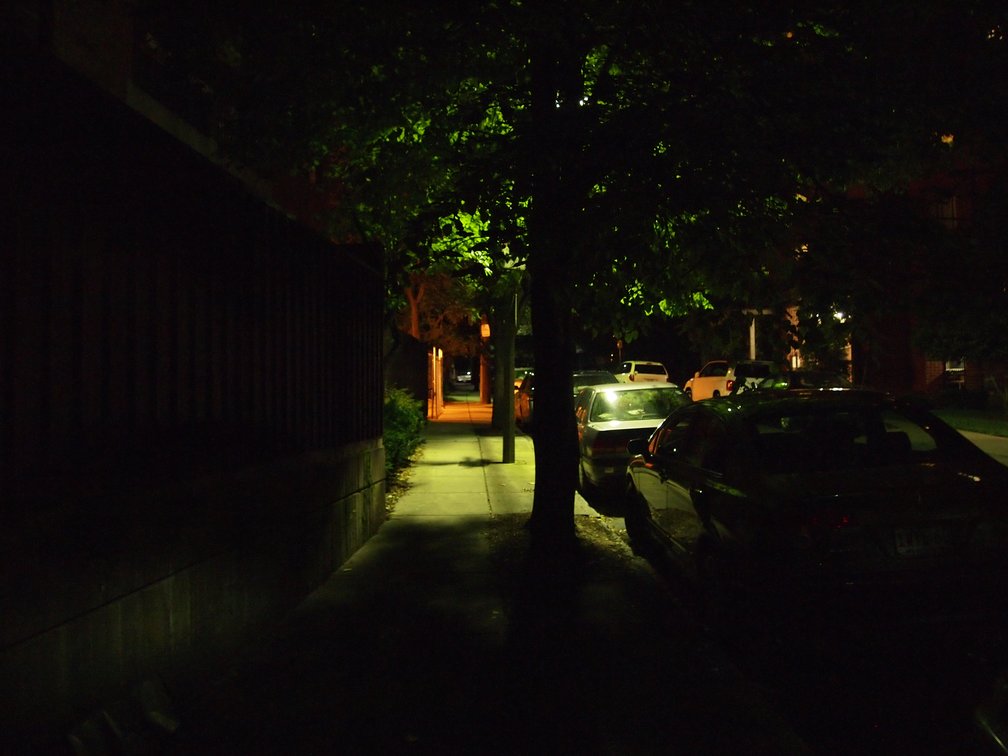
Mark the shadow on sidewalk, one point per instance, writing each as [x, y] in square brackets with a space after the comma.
[446, 639]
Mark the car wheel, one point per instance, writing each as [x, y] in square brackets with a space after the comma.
[636, 517]
[716, 393]
[585, 486]
[689, 394]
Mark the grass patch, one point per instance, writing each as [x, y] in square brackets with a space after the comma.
[978, 421]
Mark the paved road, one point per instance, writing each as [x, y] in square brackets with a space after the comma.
[995, 446]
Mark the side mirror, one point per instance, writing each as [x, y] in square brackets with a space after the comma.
[696, 374]
[637, 446]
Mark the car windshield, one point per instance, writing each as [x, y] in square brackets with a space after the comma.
[643, 404]
[814, 439]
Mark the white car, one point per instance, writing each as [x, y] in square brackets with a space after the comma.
[710, 380]
[633, 371]
[607, 417]
[720, 377]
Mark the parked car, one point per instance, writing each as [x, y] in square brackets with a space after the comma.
[632, 371]
[525, 397]
[802, 378]
[746, 374]
[710, 380]
[608, 416]
[849, 498]
[721, 377]
[582, 378]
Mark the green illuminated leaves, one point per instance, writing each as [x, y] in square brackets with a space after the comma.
[683, 135]
[412, 131]
[464, 237]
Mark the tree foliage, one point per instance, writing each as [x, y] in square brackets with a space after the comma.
[441, 310]
[633, 158]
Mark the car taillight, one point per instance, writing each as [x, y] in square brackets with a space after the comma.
[729, 384]
[830, 519]
[630, 377]
[817, 528]
[603, 447]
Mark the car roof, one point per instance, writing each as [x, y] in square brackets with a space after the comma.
[740, 362]
[530, 374]
[652, 385]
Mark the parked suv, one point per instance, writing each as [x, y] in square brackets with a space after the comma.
[632, 371]
[721, 377]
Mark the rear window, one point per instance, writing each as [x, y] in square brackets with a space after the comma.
[752, 371]
[651, 369]
[648, 404]
[818, 439]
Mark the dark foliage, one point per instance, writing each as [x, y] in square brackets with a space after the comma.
[404, 421]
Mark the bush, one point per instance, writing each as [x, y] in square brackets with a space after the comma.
[404, 421]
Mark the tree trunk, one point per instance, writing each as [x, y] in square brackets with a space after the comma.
[555, 434]
[552, 218]
[414, 294]
[502, 331]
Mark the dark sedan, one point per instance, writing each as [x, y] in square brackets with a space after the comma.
[850, 497]
[800, 378]
[610, 415]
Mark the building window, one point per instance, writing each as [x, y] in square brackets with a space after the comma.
[955, 373]
[946, 211]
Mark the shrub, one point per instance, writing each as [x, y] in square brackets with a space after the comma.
[404, 421]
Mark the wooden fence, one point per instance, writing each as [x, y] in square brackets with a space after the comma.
[190, 401]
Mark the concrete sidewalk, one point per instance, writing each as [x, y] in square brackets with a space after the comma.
[438, 636]
[460, 471]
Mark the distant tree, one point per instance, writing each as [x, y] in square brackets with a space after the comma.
[441, 310]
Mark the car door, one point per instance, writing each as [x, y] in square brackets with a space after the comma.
[650, 477]
[582, 408]
[689, 474]
[711, 378]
